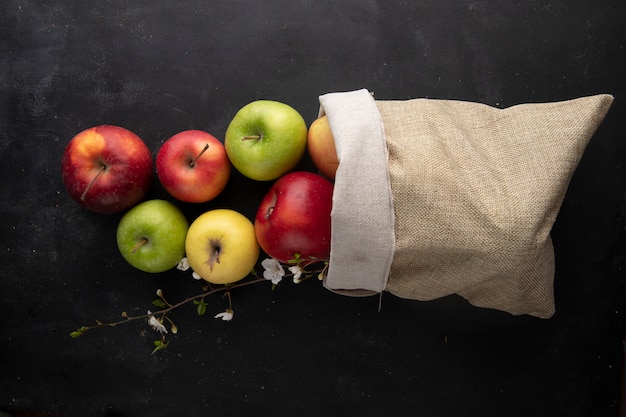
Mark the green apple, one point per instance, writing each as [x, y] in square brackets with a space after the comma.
[151, 235]
[221, 246]
[266, 139]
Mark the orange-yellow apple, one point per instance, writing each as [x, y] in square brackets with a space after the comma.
[107, 169]
[321, 147]
[192, 166]
[221, 246]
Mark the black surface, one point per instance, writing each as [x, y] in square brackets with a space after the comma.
[158, 67]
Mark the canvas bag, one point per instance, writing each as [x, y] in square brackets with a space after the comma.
[440, 197]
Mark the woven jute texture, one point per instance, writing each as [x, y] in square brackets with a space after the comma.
[476, 190]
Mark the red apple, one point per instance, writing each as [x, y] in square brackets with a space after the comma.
[294, 217]
[192, 166]
[107, 169]
[321, 147]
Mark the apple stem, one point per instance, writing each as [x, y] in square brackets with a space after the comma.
[270, 208]
[93, 180]
[230, 300]
[139, 244]
[193, 162]
[251, 137]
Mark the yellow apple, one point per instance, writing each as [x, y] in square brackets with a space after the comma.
[221, 246]
[321, 147]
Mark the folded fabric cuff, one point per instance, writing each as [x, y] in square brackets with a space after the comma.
[362, 238]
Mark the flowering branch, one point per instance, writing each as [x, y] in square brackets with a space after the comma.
[273, 271]
[149, 315]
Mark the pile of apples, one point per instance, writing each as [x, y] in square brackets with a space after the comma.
[109, 169]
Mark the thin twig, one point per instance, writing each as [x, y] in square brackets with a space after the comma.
[174, 306]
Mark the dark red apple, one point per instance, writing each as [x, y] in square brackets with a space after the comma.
[107, 169]
[192, 166]
[294, 217]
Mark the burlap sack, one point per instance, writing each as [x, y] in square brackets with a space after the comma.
[440, 197]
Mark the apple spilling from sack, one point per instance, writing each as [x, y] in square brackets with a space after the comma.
[109, 169]
[151, 235]
[192, 166]
[266, 139]
[221, 246]
[321, 147]
[294, 217]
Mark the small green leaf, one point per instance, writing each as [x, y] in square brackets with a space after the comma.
[159, 345]
[296, 259]
[158, 302]
[201, 308]
[78, 332]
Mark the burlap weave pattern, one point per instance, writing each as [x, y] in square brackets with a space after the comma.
[476, 191]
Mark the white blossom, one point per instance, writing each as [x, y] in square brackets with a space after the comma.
[156, 324]
[296, 270]
[225, 315]
[195, 275]
[183, 264]
[273, 270]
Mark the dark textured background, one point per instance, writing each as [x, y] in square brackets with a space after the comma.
[158, 67]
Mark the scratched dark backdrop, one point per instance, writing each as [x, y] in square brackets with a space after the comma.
[158, 67]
